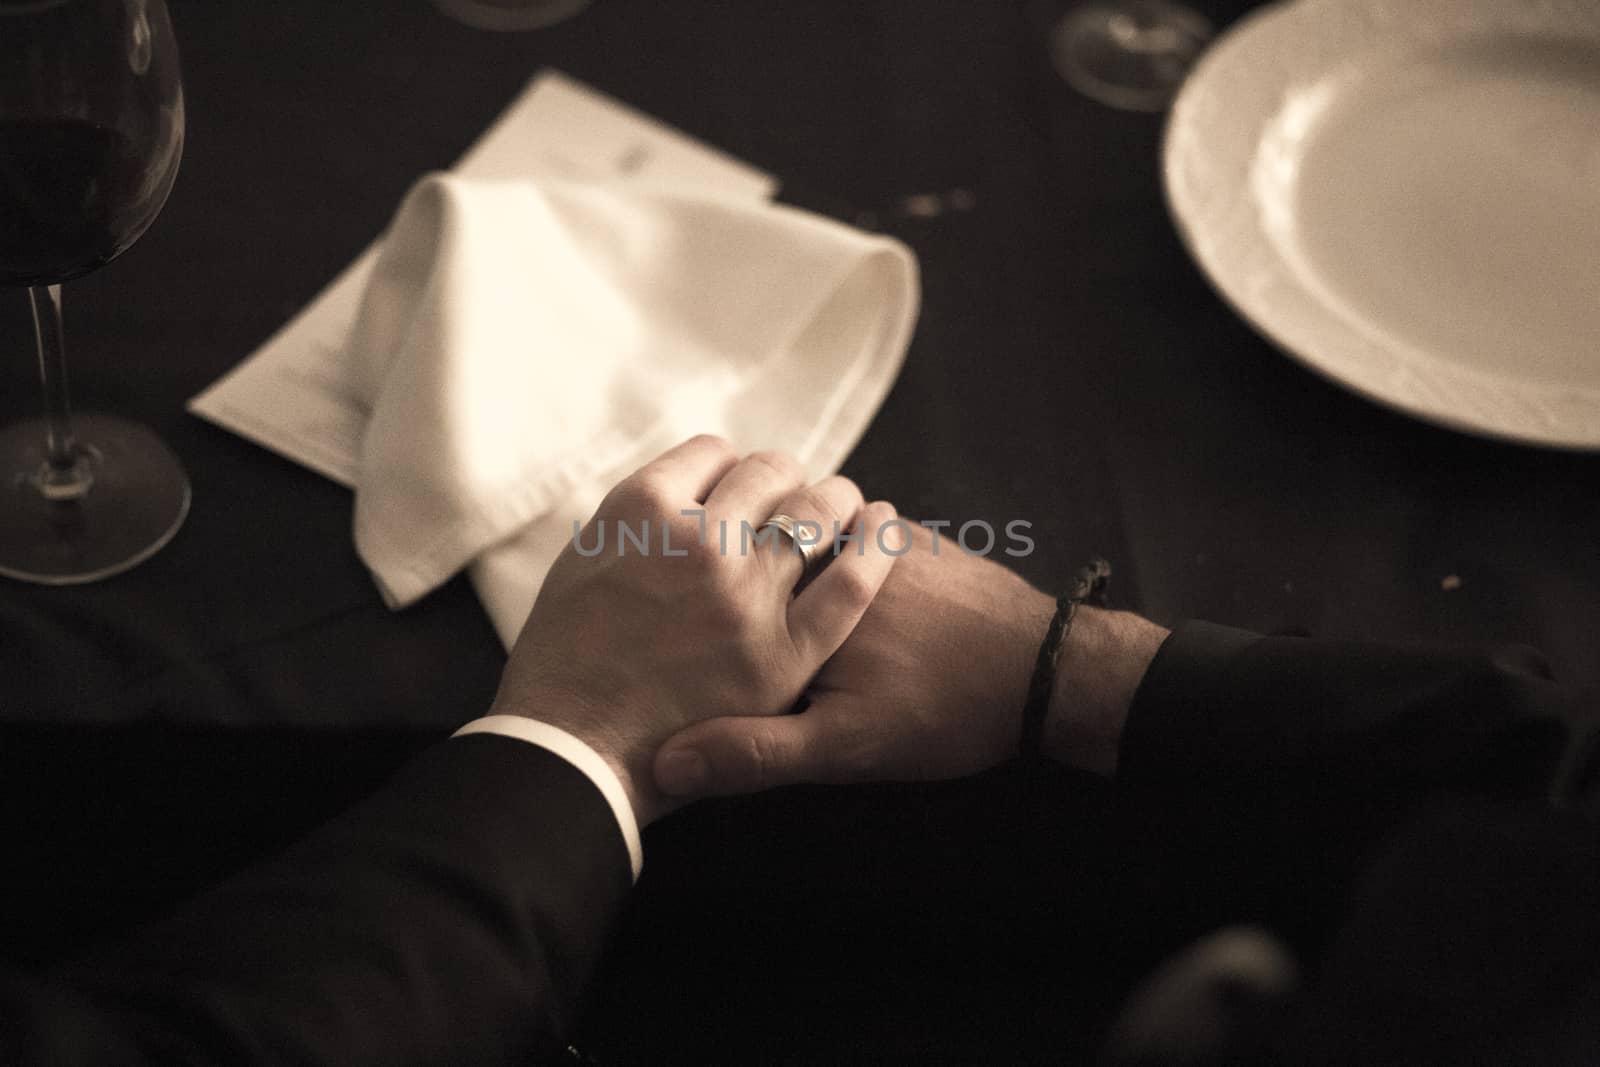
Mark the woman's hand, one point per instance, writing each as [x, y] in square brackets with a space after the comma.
[668, 623]
[931, 685]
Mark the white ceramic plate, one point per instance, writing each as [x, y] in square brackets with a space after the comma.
[1405, 195]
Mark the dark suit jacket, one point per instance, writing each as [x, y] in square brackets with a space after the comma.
[1416, 821]
[456, 915]
[451, 918]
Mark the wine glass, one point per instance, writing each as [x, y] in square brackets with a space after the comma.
[91, 131]
[1131, 54]
[510, 14]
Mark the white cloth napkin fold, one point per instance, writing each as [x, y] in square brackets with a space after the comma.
[523, 346]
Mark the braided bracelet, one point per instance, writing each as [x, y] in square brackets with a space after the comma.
[1089, 587]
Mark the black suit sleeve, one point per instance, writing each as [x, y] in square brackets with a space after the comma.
[452, 917]
[1273, 767]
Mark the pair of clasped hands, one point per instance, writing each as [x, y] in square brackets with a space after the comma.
[915, 657]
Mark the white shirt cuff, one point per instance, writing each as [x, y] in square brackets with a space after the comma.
[556, 740]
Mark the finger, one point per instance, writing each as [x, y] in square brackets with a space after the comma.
[827, 610]
[752, 487]
[689, 471]
[820, 511]
[722, 757]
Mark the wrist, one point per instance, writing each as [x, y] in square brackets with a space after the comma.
[1013, 655]
[582, 755]
[1103, 661]
[580, 717]
[638, 784]
[632, 769]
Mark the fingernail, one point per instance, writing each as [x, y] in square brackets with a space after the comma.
[682, 772]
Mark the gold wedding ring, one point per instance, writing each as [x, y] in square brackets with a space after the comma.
[789, 526]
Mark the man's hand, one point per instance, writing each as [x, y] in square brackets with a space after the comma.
[931, 685]
[628, 645]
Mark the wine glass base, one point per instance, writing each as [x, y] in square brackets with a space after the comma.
[139, 498]
[1130, 54]
[510, 15]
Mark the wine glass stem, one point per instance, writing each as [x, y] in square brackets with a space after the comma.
[66, 473]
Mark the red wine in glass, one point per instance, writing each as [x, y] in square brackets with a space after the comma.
[72, 196]
[91, 133]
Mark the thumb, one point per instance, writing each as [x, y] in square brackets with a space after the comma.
[721, 757]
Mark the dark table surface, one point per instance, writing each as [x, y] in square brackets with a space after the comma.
[1071, 367]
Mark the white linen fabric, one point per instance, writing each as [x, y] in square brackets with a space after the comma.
[524, 345]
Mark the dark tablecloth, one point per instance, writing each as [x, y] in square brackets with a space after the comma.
[1071, 368]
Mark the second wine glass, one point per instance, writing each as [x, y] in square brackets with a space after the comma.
[1130, 54]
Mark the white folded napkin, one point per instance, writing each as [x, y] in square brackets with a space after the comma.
[524, 345]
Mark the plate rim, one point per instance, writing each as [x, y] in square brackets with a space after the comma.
[1550, 415]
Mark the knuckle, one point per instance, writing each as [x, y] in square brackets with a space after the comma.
[845, 488]
[635, 497]
[713, 442]
[812, 504]
[779, 464]
[761, 757]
